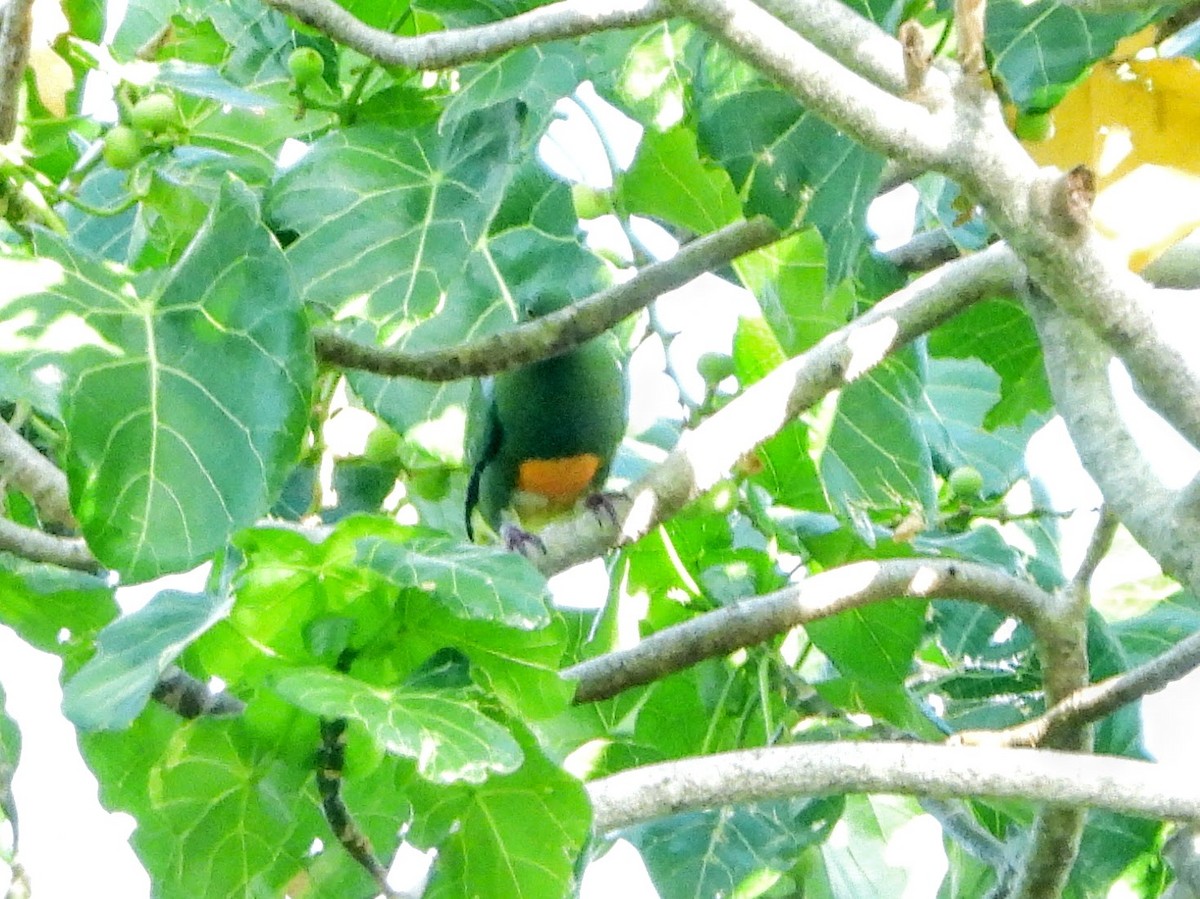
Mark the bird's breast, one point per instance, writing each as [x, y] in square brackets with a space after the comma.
[561, 481]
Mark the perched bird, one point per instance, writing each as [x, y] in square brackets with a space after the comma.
[542, 437]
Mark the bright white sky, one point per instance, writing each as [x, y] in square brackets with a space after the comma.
[71, 847]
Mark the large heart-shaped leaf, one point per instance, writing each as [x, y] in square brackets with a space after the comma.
[187, 390]
[386, 219]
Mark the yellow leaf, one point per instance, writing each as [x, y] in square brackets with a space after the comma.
[53, 76]
[1136, 125]
[1128, 47]
[54, 79]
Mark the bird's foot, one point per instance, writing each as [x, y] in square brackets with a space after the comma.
[521, 541]
[603, 506]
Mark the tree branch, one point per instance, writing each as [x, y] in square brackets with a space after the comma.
[1122, 785]
[853, 40]
[559, 331]
[704, 454]
[969, 140]
[442, 49]
[1095, 701]
[1097, 549]
[891, 126]
[36, 476]
[1077, 367]
[15, 30]
[751, 621]
[32, 544]
[1075, 267]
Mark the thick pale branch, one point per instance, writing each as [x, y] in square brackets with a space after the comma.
[889, 125]
[442, 49]
[1077, 364]
[751, 621]
[1118, 784]
[559, 331]
[705, 454]
[35, 476]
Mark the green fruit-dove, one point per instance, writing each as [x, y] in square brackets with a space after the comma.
[541, 437]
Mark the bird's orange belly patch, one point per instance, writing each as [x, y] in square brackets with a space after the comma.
[559, 480]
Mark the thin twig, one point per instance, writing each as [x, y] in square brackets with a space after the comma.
[1098, 547]
[1097, 700]
[557, 332]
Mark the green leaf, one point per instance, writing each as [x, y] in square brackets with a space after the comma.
[876, 455]
[385, 220]
[788, 280]
[144, 20]
[789, 473]
[169, 451]
[756, 350]
[668, 181]
[1000, 334]
[54, 610]
[1111, 842]
[959, 394]
[10, 754]
[514, 835]
[447, 735]
[891, 702]
[207, 83]
[713, 853]
[108, 236]
[864, 865]
[221, 811]
[1040, 49]
[532, 247]
[484, 582]
[1121, 732]
[1168, 621]
[874, 643]
[520, 666]
[646, 73]
[110, 690]
[539, 76]
[785, 162]
[971, 630]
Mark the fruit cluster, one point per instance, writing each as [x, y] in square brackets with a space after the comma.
[150, 118]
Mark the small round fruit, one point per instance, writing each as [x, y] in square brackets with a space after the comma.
[1034, 126]
[590, 203]
[966, 481]
[122, 147]
[306, 65]
[714, 367]
[155, 114]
